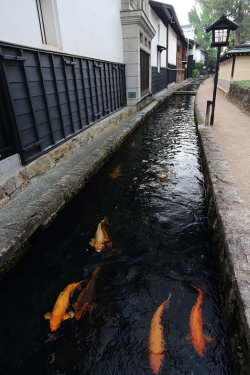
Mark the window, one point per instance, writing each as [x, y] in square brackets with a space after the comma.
[159, 31]
[146, 42]
[159, 61]
[141, 38]
[49, 22]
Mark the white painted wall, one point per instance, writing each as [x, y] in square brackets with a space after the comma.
[162, 40]
[199, 55]
[172, 46]
[92, 28]
[88, 28]
[19, 22]
[189, 31]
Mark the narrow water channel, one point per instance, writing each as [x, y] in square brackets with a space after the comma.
[161, 244]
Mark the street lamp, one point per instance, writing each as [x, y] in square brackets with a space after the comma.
[220, 34]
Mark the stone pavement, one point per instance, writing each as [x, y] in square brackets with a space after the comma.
[225, 157]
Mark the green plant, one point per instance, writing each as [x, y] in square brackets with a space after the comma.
[195, 73]
[245, 83]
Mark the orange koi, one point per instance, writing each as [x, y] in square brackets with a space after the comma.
[163, 176]
[85, 298]
[156, 340]
[117, 172]
[101, 237]
[58, 313]
[196, 324]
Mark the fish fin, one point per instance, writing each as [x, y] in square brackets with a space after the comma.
[79, 286]
[200, 291]
[75, 305]
[51, 336]
[165, 304]
[189, 337]
[209, 338]
[47, 315]
[92, 242]
[69, 315]
[92, 306]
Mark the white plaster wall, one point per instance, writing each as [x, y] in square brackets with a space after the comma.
[155, 20]
[92, 28]
[198, 55]
[172, 46]
[88, 28]
[189, 31]
[19, 22]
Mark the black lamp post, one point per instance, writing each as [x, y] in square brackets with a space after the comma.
[220, 33]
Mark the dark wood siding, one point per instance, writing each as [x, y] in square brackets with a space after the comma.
[54, 96]
[158, 79]
[144, 62]
[171, 73]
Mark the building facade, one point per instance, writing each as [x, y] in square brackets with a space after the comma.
[60, 75]
[234, 66]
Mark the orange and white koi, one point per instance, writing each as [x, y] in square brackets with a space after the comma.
[58, 313]
[117, 172]
[101, 239]
[156, 339]
[85, 298]
[196, 326]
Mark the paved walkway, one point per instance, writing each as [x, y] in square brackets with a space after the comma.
[231, 129]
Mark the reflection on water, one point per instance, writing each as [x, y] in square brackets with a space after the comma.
[160, 246]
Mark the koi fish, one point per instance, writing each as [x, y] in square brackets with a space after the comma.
[58, 313]
[163, 176]
[156, 340]
[117, 172]
[196, 324]
[85, 298]
[101, 237]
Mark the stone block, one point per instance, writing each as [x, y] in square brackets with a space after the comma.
[25, 186]
[39, 166]
[2, 194]
[4, 201]
[20, 178]
[59, 151]
[227, 195]
[9, 186]
[15, 194]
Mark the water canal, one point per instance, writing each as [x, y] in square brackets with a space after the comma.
[161, 244]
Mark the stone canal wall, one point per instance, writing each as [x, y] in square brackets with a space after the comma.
[240, 96]
[19, 179]
[230, 221]
[54, 179]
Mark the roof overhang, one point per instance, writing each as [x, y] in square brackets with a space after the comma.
[168, 16]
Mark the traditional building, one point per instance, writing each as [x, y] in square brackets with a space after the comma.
[66, 65]
[234, 66]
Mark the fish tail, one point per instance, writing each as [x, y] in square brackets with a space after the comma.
[96, 271]
[165, 304]
[200, 291]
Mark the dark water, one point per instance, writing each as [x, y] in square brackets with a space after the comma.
[161, 245]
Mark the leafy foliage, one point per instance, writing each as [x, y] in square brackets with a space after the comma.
[236, 10]
[195, 73]
[203, 21]
[199, 66]
[245, 83]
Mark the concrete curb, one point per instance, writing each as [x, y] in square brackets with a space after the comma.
[39, 204]
[230, 221]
